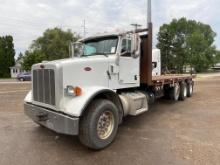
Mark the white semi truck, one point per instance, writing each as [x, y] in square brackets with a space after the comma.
[109, 77]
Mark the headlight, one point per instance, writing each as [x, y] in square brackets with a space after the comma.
[73, 91]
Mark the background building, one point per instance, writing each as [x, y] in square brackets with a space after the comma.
[216, 67]
[16, 70]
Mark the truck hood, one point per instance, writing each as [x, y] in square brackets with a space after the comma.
[83, 71]
[51, 78]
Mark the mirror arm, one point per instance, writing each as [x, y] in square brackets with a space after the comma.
[117, 59]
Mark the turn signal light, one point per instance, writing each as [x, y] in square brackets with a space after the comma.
[78, 91]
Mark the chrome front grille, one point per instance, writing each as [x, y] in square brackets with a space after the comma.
[44, 86]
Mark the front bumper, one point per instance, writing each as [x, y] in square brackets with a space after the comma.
[55, 121]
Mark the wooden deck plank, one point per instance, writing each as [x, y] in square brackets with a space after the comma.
[170, 78]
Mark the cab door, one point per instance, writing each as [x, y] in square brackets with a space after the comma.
[129, 65]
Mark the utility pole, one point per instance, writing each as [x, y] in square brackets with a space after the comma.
[136, 26]
[149, 14]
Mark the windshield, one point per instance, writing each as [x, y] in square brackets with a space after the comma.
[101, 46]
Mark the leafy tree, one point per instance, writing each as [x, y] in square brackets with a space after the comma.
[32, 58]
[186, 43]
[53, 45]
[7, 54]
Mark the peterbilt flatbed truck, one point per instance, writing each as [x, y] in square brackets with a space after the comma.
[110, 76]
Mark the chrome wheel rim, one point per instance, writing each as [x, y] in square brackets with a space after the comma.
[105, 125]
[177, 92]
[185, 91]
[191, 89]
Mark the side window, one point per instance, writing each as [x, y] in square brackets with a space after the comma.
[154, 65]
[126, 48]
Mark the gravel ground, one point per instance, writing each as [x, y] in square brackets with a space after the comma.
[181, 133]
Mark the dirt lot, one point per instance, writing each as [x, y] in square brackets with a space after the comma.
[169, 134]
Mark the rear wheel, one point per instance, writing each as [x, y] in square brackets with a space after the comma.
[175, 92]
[189, 89]
[99, 124]
[167, 92]
[183, 91]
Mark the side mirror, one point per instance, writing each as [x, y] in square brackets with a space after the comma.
[136, 46]
[154, 65]
[71, 50]
[76, 49]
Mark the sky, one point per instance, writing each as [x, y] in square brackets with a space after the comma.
[26, 20]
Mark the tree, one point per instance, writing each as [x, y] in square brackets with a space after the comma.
[7, 54]
[53, 45]
[32, 58]
[186, 43]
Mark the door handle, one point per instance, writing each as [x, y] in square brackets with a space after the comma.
[109, 75]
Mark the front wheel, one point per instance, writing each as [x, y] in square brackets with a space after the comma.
[99, 124]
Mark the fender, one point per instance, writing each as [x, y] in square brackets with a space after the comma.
[76, 106]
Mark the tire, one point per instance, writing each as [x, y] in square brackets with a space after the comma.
[21, 79]
[189, 89]
[150, 97]
[175, 92]
[94, 121]
[167, 92]
[183, 91]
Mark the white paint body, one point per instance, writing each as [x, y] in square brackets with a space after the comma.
[124, 72]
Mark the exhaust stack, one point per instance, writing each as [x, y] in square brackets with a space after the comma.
[146, 59]
[149, 12]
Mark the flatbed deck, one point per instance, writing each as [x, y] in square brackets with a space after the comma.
[171, 78]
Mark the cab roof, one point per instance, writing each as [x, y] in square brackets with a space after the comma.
[113, 34]
[100, 36]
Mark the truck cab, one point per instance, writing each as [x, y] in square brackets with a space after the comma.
[120, 52]
[100, 65]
